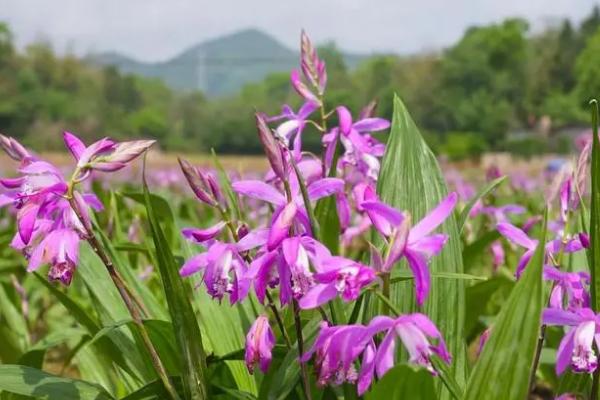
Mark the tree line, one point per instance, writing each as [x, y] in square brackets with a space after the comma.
[477, 95]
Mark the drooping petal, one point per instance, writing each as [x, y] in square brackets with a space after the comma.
[371, 125]
[74, 145]
[564, 352]
[26, 220]
[194, 264]
[281, 225]
[318, 295]
[384, 359]
[418, 266]
[365, 377]
[202, 235]
[325, 187]
[259, 190]
[555, 316]
[516, 235]
[383, 216]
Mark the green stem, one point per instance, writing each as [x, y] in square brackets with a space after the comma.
[387, 302]
[300, 341]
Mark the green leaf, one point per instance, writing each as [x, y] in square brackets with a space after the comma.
[404, 382]
[28, 381]
[464, 214]
[187, 332]
[503, 368]
[329, 223]
[410, 179]
[479, 297]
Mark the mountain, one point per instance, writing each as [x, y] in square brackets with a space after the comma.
[217, 67]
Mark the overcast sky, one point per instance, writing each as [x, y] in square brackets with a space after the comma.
[153, 30]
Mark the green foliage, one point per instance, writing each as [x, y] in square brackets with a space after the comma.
[496, 79]
[504, 367]
[408, 162]
[33, 382]
[461, 145]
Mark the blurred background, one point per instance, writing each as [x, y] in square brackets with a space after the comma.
[478, 76]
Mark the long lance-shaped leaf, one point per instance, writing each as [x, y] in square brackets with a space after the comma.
[595, 212]
[464, 214]
[410, 179]
[504, 366]
[29, 381]
[187, 332]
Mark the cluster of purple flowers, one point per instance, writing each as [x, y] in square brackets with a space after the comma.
[53, 217]
[282, 253]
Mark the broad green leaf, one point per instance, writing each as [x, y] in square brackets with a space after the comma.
[187, 332]
[404, 382]
[464, 214]
[503, 368]
[33, 382]
[594, 250]
[329, 223]
[410, 179]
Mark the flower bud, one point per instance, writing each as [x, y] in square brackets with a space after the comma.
[196, 182]
[273, 148]
[13, 149]
[259, 344]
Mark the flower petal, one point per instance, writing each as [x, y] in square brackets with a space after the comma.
[259, 190]
[434, 218]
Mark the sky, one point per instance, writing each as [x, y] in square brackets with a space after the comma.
[156, 30]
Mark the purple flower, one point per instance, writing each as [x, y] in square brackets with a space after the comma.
[416, 244]
[361, 149]
[286, 213]
[294, 125]
[287, 265]
[576, 347]
[224, 271]
[337, 350]
[259, 344]
[569, 287]
[105, 154]
[416, 332]
[520, 238]
[338, 276]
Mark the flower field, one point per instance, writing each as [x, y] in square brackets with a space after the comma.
[369, 270]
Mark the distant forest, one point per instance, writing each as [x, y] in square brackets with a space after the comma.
[497, 79]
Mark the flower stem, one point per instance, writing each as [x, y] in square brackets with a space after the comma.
[300, 340]
[129, 303]
[385, 289]
[275, 311]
